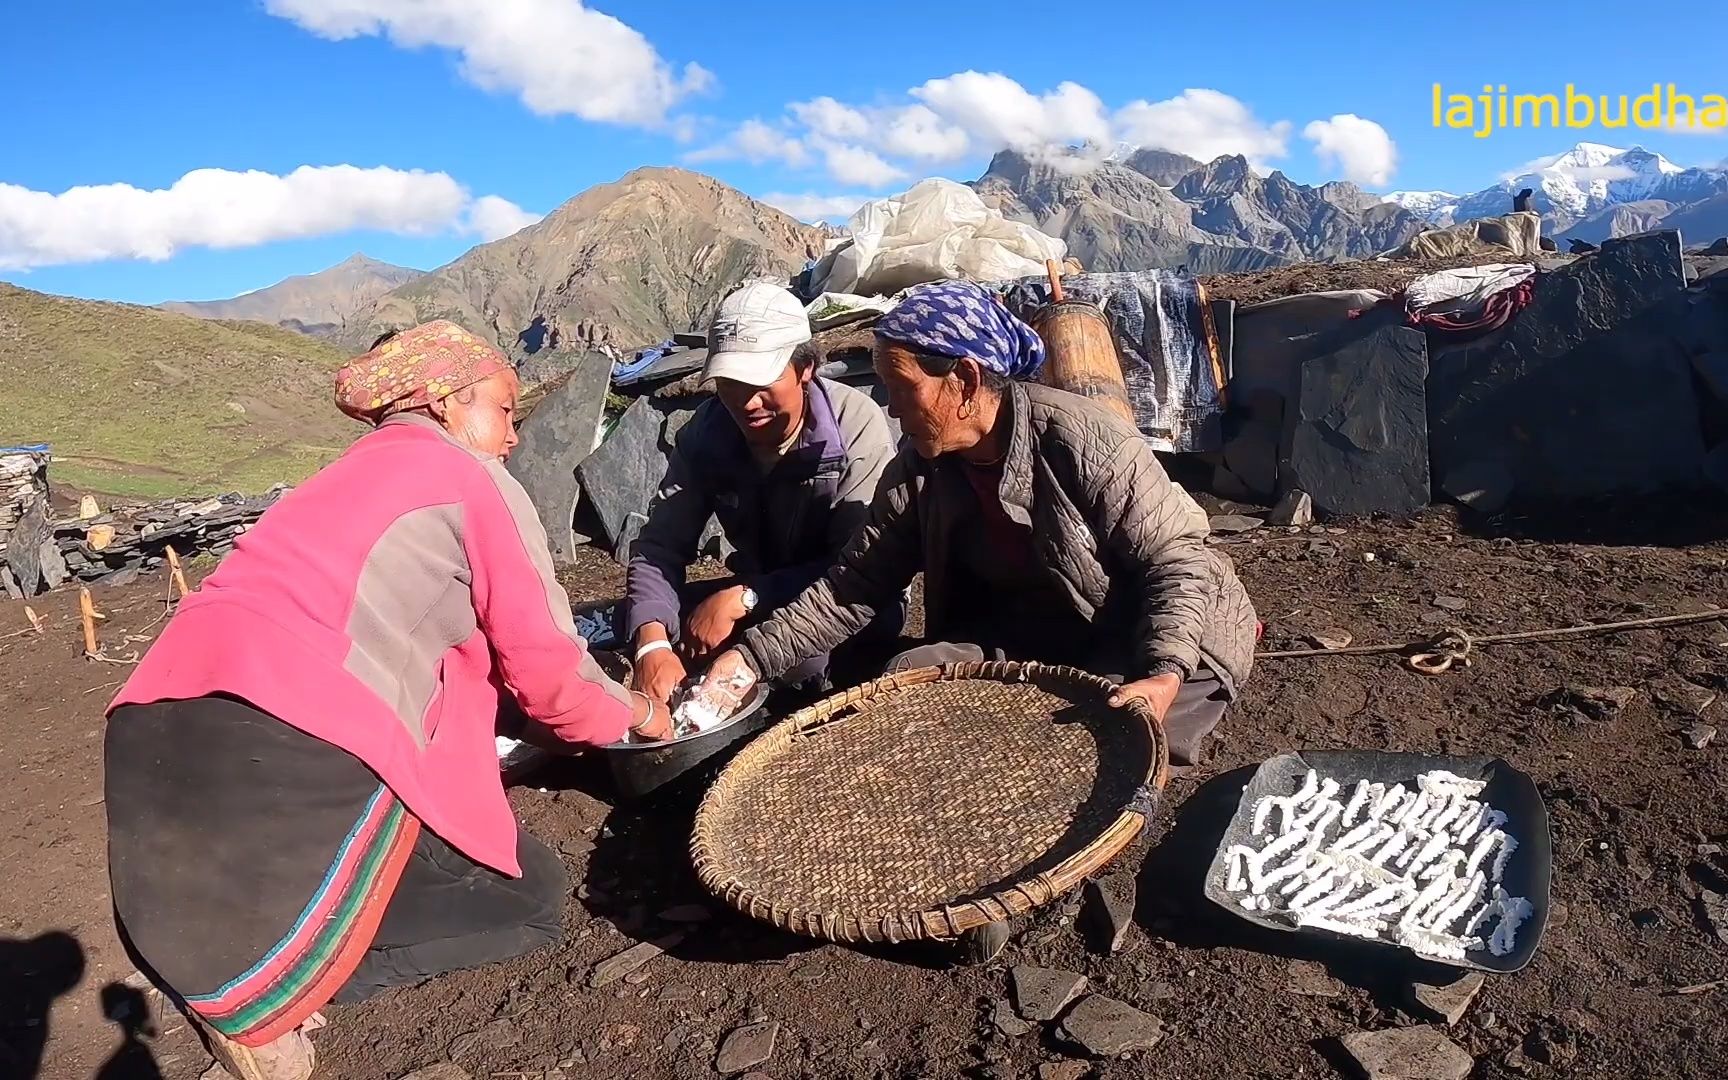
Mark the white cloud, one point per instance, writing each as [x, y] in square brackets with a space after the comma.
[918, 132]
[558, 56]
[493, 218]
[830, 119]
[973, 114]
[999, 112]
[218, 208]
[1361, 148]
[812, 207]
[756, 143]
[1203, 124]
[856, 165]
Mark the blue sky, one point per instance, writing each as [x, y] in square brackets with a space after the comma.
[521, 104]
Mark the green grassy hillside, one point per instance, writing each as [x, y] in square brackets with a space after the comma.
[136, 401]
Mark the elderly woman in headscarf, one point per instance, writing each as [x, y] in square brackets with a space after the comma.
[1045, 526]
[303, 791]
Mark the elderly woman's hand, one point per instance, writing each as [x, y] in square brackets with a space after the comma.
[649, 722]
[725, 685]
[1159, 692]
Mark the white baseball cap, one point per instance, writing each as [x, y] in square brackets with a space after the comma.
[757, 329]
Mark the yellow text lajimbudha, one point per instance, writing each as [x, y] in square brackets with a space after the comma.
[1663, 108]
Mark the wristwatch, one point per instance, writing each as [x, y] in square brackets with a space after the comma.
[748, 599]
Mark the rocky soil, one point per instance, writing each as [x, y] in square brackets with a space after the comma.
[655, 980]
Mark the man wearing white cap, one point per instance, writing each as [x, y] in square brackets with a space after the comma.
[788, 463]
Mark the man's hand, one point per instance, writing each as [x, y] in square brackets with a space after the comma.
[658, 674]
[1159, 692]
[711, 623]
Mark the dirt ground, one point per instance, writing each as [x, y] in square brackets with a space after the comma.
[1638, 820]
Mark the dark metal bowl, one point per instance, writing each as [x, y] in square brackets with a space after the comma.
[640, 769]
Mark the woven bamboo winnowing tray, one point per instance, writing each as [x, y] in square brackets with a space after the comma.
[930, 802]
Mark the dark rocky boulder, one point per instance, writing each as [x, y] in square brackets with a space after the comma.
[1588, 392]
[556, 436]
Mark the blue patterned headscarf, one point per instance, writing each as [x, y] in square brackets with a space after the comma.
[964, 321]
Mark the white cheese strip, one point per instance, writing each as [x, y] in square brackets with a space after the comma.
[1358, 802]
[1507, 846]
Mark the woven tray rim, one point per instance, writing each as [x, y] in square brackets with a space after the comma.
[948, 921]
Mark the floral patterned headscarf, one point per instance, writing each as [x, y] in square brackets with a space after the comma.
[415, 368]
[965, 321]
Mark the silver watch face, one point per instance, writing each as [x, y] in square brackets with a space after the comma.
[749, 599]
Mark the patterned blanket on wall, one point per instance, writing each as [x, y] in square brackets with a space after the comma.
[1171, 357]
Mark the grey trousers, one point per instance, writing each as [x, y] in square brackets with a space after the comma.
[1196, 712]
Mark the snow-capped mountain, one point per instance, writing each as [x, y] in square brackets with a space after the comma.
[1580, 184]
[1433, 206]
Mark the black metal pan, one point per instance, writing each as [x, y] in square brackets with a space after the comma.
[1509, 790]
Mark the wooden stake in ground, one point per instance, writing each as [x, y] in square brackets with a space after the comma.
[87, 614]
[174, 569]
[35, 619]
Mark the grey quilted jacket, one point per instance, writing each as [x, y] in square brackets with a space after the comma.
[1098, 502]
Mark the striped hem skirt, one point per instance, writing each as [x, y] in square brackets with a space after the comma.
[250, 863]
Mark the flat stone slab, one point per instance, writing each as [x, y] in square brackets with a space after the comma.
[1356, 439]
[1040, 994]
[1414, 1053]
[633, 959]
[1714, 907]
[1448, 1002]
[1296, 508]
[1234, 523]
[555, 438]
[1002, 1016]
[1106, 1027]
[1108, 911]
[619, 479]
[1699, 736]
[1681, 694]
[747, 1047]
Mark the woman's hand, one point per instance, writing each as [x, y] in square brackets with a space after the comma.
[1159, 692]
[658, 674]
[712, 622]
[649, 721]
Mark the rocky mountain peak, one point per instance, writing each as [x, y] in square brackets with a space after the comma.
[1219, 178]
[1165, 167]
[617, 267]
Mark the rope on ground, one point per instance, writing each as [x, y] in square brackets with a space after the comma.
[1438, 655]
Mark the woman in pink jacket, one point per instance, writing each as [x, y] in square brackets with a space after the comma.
[303, 795]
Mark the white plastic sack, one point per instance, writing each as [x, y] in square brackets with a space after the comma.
[937, 230]
[837, 309]
[1468, 285]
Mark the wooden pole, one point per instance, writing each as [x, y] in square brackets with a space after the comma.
[1054, 269]
[87, 614]
[174, 569]
[35, 619]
